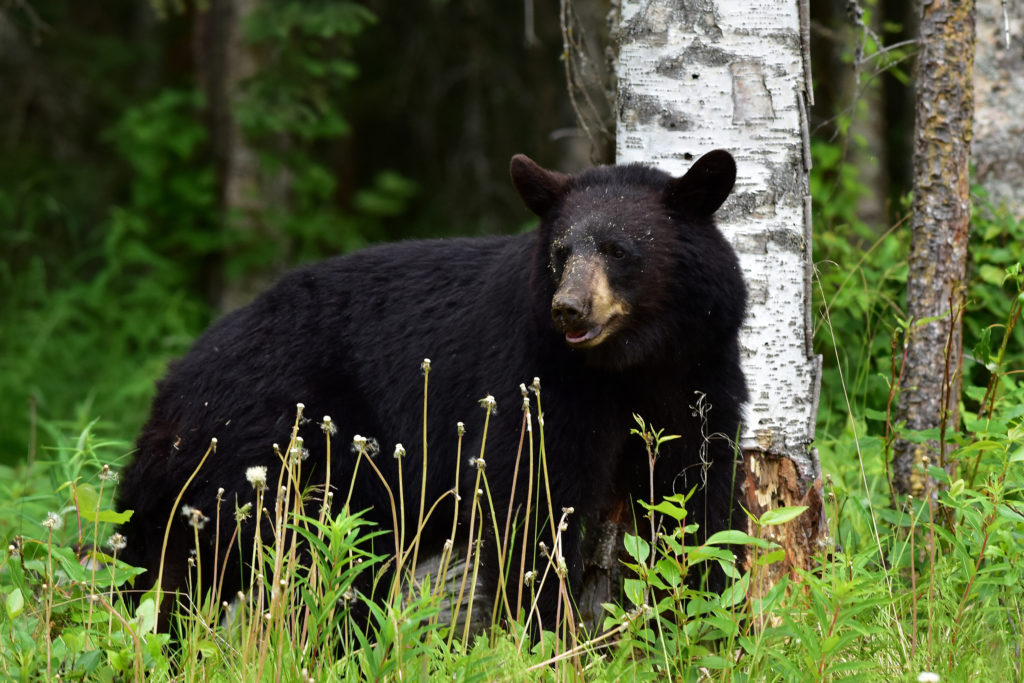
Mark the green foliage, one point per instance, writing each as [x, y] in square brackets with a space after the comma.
[290, 112]
[70, 330]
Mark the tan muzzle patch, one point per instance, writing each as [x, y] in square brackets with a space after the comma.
[585, 306]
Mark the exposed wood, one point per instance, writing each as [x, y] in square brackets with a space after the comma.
[936, 280]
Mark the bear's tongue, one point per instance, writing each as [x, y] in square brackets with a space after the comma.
[577, 336]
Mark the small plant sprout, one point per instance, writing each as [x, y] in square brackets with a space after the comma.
[399, 451]
[257, 477]
[242, 513]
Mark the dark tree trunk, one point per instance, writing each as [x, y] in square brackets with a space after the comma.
[936, 281]
[224, 62]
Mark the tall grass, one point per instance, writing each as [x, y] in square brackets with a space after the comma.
[904, 588]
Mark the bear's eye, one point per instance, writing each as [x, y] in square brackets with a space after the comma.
[613, 250]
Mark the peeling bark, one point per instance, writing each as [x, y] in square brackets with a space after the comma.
[697, 75]
[998, 149]
[936, 280]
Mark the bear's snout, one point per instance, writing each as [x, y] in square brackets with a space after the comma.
[569, 311]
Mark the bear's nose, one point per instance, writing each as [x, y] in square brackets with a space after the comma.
[568, 311]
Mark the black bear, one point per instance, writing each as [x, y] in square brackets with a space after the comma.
[627, 299]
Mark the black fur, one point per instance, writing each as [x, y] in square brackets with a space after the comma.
[346, 337]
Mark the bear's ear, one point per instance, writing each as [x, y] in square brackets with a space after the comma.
[705, 186]
[539, 187]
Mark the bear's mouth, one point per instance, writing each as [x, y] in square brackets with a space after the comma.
[576, 337]
[588, 337]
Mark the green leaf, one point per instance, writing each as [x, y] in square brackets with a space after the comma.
[15, 603]
[145, 613]
[667, 507]
[89, 507]
[637, 548]
[983, 349]
[781, 515]
[634, 589]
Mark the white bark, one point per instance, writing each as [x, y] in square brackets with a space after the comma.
[698, 75]
[998, 150]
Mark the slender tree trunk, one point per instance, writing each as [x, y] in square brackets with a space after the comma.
[225, 61]
[704, 74]
[936, 280]
[998, 152]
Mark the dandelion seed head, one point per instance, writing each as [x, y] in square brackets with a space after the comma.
[488, 402]
[425, 366]
[330, 429]
[194, 517]
[117, 542]
[522, 389]
[53, 521]
[536, 384]
[107, 474]
[399, 451]
[460, 427]
[257, 477]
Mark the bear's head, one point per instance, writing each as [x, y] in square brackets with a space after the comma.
[635, 265]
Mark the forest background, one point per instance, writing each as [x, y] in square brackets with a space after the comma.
[156, 172]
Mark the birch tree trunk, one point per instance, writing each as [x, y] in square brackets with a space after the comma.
[698, 75]
[936, 280]
[998, 152]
